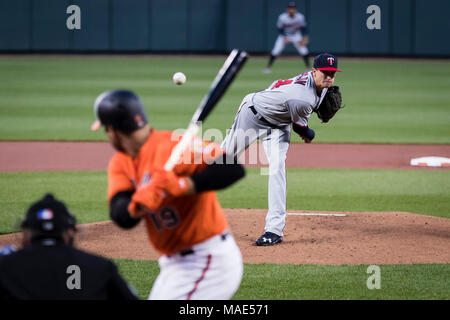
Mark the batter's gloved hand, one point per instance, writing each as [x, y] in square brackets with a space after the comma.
[151, 197]
[146, 198]
[331, 104]
[168, 181]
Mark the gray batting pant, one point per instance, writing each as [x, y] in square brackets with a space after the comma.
[246, 129]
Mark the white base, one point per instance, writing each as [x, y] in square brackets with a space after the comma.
[431, 162]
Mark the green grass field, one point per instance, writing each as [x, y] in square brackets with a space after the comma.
[387, 101]
[313, 282]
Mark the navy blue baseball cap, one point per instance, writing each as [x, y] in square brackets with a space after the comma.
[326, 62]
[49, 215]
[291, 4]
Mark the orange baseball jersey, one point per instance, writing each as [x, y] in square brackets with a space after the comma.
[180, 222]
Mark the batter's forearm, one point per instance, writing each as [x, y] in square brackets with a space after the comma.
[222, 173]
[118, 210]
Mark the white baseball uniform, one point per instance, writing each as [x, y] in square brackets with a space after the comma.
[199, 256]
[267, 115]
[290, 27]
[211, 271]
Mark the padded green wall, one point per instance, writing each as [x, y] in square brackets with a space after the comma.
[408, 27]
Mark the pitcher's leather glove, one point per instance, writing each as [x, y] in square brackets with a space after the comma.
[331, 104]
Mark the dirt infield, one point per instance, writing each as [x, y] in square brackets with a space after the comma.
[320, 238]
[355, 238]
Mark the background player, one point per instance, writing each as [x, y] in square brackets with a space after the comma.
[292, 29]
[268, 114]
[185, 223]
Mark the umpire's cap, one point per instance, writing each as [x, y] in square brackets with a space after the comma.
[120, 109]
[49, 215]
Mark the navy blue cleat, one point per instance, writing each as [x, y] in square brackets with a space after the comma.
[269, 239]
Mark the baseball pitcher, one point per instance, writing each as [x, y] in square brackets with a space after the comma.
[268, 115]
[292, 28]
[184, 220]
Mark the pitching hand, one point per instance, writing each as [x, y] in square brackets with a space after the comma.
[308, 136]
[306, 140]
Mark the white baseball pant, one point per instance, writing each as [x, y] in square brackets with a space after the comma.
[294, 39]
[212, 271]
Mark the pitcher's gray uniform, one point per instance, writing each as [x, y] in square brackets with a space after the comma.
[267, 115]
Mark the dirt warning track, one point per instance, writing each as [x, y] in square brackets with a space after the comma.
[50, 156]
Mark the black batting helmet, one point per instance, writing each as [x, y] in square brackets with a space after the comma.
[120, 109]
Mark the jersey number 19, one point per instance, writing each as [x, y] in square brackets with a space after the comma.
[164, 218]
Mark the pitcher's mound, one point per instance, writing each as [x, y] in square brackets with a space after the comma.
[309, 238]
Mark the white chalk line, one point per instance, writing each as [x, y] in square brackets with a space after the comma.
[316, 214]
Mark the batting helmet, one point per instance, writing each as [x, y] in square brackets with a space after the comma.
[120, 109]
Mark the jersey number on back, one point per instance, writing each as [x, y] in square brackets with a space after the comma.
[281, 82]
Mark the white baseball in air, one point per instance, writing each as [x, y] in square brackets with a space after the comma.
[179, 78]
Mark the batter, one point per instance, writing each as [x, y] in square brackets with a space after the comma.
[184, 220]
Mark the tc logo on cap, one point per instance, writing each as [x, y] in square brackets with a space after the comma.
[326, 62]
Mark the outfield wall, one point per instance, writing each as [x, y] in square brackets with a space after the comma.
[408, 27]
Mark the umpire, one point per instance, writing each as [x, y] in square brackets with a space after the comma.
[50, 268]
